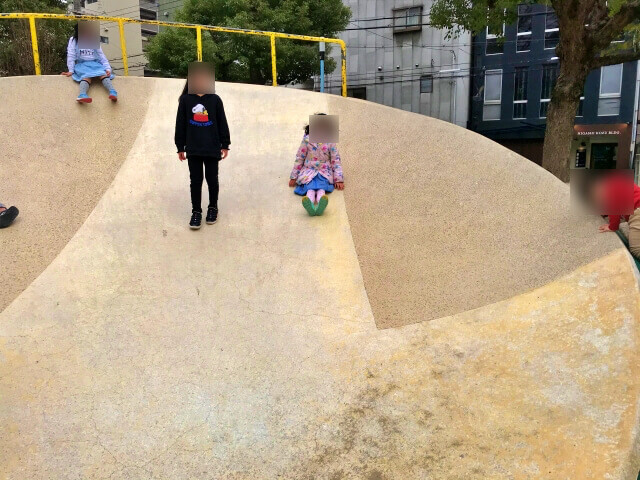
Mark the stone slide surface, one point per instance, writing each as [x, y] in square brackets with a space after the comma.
[447, 318]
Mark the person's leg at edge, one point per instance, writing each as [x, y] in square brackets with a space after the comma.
[211, 174]
[323, 201]
[84, 89]
[106, 82]
[307, 202]
[634, 233]
[312, 195]
[196, 176]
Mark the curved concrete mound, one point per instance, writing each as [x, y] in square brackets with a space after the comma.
[58, 158]
[259, 348]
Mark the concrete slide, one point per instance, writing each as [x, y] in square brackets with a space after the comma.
[448, 318]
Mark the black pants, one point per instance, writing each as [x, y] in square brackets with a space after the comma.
[210, 164]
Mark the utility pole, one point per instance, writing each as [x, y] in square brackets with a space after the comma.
[321, 67]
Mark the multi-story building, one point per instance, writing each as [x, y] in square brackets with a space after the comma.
[136, 35]
[511, 91]
[167, 9]
[395, 58]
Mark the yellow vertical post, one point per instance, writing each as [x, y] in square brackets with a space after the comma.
[34, 45]
[199, 42]
[274, 69]
[343, 47]
[123, 47]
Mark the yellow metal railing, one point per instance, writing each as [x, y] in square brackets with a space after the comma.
[198, 28]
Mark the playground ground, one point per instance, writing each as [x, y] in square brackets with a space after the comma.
[447, 318]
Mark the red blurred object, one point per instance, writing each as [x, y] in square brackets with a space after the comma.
[622, 198]
[201, 117]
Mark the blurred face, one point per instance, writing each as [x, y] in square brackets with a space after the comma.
[201, 78]
[88, 34]
[323, 128]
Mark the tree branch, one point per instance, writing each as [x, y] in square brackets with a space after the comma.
[613, 26]
[615, 58]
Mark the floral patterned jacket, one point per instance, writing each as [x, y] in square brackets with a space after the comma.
[317, 158]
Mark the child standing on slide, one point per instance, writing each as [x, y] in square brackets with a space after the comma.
[316, 172]
[86, 61]
[202, 138]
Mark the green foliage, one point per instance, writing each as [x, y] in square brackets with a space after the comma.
[457, 16]
[16, 56]
[244, 58]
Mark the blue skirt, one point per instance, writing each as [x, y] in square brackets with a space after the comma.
[90, 69]
[317, 183]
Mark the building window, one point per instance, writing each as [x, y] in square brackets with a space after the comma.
[146, 14]
[357, 92]
[581, 107]
[426, 84]
[520, 93]
[492, 95]
[91, 1]
[494, 47]
[610, 90]
[549, 76]
[551, 30]
[104, 40]
[525, 19]
[407, 19]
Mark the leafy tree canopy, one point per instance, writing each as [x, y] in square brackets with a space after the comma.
[243, 58]
[16, 57]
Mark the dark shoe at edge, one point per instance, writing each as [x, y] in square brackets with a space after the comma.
[196, 221]
[8, 216]
[212, 216]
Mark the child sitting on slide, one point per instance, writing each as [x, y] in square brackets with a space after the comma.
[85, 64]
[316, 171]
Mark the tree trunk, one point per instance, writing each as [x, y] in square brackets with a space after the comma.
[557, 141]
[563, 108]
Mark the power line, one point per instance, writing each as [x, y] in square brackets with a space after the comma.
[437, 75]
[479, 42]
[392, 40]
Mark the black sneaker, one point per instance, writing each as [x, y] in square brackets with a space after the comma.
[196, 221]
[212, 216]
[8, 216]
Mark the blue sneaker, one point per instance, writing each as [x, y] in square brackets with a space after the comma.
[84, 98]
[113, 95]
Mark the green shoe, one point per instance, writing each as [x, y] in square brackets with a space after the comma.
[322, 204]
[308, 206]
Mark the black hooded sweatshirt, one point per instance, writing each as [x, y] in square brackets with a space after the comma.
[201, 126]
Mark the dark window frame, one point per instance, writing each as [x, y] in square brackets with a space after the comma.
[520, 94]
[552, 77]
[399, 28]
[523, 38]
[424, 78]
[551, 34]
[355, 92]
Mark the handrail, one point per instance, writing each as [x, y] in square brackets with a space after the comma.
[121, 21]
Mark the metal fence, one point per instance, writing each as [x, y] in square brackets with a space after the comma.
[198, 28]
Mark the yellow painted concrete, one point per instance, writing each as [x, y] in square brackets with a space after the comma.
[249, 350]
[451, 221]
